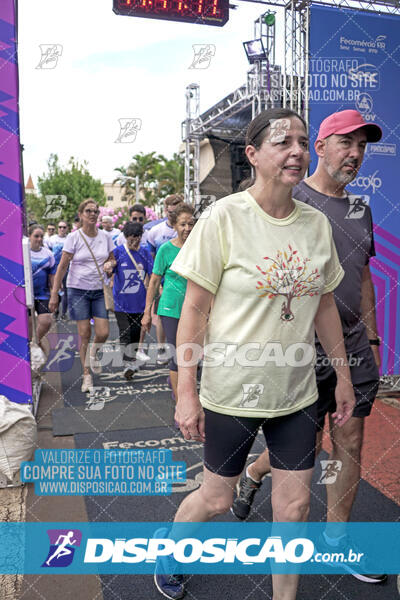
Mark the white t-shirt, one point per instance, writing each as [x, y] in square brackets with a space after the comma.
[83, 273]
[159, 234]
[268, 276]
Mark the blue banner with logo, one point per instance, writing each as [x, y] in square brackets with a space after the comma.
[355, 64]
[218, 548]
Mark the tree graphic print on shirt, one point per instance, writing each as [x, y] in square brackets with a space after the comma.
[288, 276]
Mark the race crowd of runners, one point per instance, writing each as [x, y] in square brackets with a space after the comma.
[263, 272]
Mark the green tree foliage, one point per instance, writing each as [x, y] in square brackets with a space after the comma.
[158, 177]
[73, 181]
[171, 176]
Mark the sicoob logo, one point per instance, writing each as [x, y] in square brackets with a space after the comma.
[62, 547]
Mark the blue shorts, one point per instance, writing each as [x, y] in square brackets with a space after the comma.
[85, 304]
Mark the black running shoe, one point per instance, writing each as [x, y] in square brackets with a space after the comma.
[362, 570]
[242, 505]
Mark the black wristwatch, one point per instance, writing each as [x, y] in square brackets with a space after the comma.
[376, 342]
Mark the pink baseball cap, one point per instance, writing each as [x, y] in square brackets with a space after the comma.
[347, 121]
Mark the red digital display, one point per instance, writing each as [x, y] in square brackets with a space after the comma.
[203, 12]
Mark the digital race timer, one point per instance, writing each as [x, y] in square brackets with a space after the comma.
[203, 12]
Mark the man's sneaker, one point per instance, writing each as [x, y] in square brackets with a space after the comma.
[142, 356]
[246, 491]
[362, 570]
[129, 370]
[170, 585]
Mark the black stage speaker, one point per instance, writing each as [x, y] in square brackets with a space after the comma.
[222, 175]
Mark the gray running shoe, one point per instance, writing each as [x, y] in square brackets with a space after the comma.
[247, 489]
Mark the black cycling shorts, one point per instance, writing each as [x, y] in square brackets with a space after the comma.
[290, 441]
[41, 307]
[364, 377]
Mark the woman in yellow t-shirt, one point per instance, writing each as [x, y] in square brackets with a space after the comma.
[263, 267]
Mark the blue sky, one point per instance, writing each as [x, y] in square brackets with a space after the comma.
[114, 67]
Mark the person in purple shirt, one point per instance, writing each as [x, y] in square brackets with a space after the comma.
[137, 214]
[85, 285]
[133, 267]
[43, 269]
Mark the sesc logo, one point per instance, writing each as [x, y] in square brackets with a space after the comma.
[62, 547]
[366, 182]
[364, 76]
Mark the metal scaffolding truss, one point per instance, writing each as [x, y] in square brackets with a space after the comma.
[375, 6]
[265, 85]
[229, 118]
[295, 80]
[297, 30]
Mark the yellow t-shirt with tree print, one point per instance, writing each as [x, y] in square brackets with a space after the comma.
[268, 276]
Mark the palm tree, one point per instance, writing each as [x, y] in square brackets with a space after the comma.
[158, 177]
[171, 176]
[145, 167]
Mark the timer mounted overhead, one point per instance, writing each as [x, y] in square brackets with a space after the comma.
[201, 12]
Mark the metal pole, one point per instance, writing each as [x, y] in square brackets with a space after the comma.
[307, 64]
[137, 189]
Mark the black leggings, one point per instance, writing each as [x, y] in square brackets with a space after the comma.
[129, 325]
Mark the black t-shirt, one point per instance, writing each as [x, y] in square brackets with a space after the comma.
[351, 222]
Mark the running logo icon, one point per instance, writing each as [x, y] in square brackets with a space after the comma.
[62, 547]
[50, 53]
[98, 398]
[357, 206]
[252, 393]
[55, 204]
[203, 54]
[62, 353]
[128, 129]
[132, 283]
[330, 471]
[278, 130]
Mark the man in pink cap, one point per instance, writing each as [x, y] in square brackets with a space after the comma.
[340, 147]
